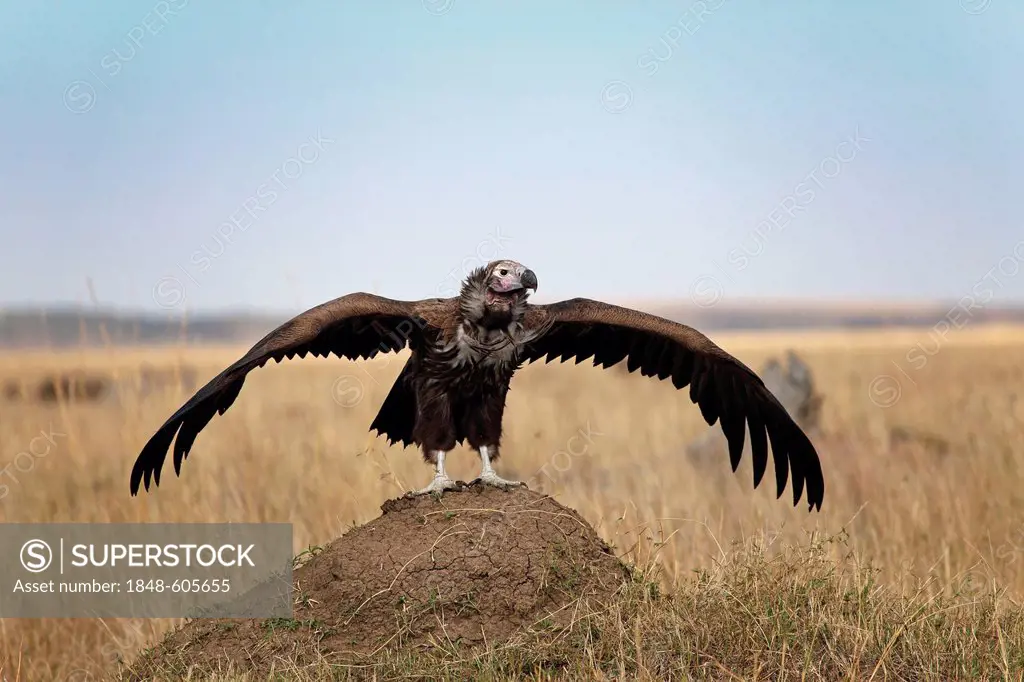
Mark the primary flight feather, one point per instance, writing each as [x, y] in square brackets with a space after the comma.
[465, 351]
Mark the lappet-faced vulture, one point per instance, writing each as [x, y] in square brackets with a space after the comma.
[464, 352]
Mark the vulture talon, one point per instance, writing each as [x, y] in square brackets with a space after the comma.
[438, 485]
[493, 479]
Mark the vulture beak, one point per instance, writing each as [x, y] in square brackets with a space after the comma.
[528, 280]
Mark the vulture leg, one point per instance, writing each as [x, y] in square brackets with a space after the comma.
[487, 474]
[441, 481]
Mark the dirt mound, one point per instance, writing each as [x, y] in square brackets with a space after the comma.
[465, 571]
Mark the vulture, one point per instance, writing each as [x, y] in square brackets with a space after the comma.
[464, 352]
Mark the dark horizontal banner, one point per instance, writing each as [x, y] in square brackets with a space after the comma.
[146, 570]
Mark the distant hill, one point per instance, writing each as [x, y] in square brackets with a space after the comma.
[66, 327]
[764, 315]
[70, 327]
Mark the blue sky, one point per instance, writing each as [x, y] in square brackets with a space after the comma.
[202, 156]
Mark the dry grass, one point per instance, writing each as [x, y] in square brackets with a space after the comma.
[939, 514]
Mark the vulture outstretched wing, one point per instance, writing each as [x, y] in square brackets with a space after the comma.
[723, 387]
[354, 326]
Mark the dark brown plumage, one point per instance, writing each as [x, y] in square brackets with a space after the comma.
[465, 351]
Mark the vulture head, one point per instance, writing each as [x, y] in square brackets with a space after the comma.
[508, 282]
[497, 291]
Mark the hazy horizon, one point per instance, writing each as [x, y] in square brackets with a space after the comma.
[736, 304]
[198, 158]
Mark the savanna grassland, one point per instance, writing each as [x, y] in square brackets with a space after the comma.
[914, 568]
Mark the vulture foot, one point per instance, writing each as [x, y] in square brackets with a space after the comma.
[491, 478]
[438, 485]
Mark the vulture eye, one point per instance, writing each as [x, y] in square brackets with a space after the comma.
[503, 272]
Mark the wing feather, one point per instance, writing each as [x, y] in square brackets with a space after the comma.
[723, 388]
[355, 326]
